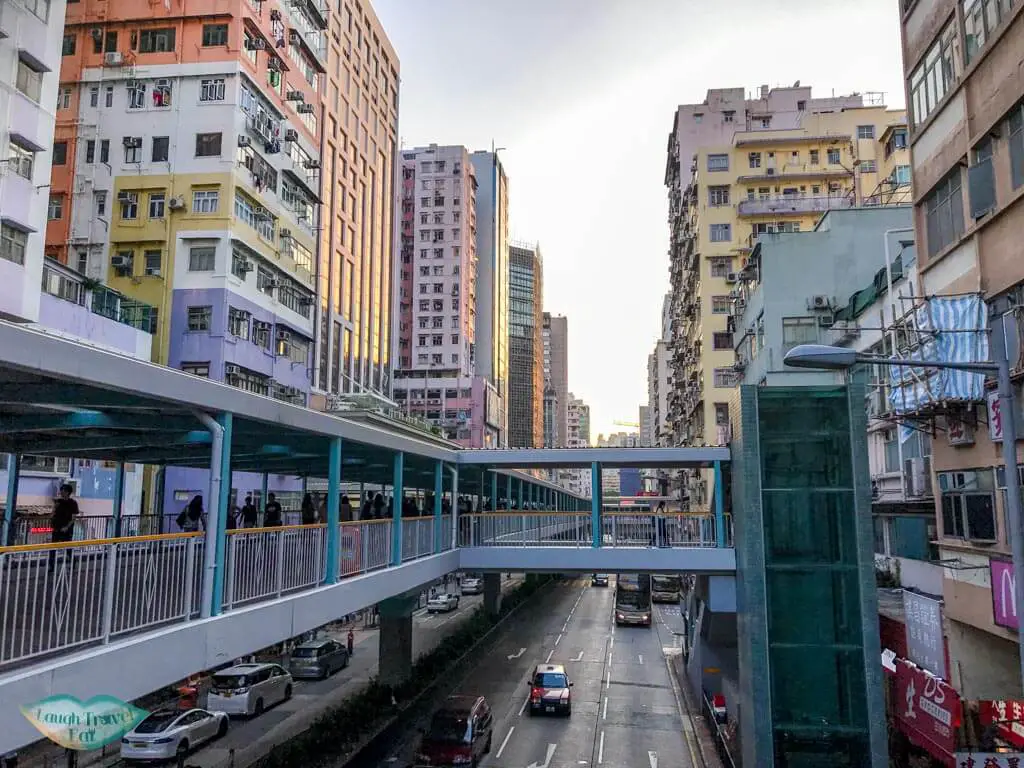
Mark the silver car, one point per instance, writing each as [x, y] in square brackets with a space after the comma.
[318, 659]
[171, 734]
[472, 585]
[443, 603]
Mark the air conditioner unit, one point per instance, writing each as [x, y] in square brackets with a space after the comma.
[732, 278]
[255, 44]
[819, 302]
[291, 135]
[113, 59]
[232, 370]
[311, 164]
[826, 321]
[294, 37]
[295, 96]
[246, 266]
[275, 283]
[274, 64]
[769, 171]
[285, 233]
[244, 141]
[176, 203]
[120, 261]
[305, 109]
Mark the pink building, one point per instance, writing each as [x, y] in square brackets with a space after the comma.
[435, 377]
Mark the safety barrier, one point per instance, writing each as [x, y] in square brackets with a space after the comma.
[417, 537]
[365, 547]
[522, 529]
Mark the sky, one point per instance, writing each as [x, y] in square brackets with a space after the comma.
[582, 96]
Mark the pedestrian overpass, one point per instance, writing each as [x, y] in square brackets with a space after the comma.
[73, 616]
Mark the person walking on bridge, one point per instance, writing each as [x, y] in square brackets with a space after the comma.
[62, 523]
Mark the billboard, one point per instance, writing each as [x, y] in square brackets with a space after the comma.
[1004, 594]
[924, 632]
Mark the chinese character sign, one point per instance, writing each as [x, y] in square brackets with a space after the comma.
[924, 632]
[928, 708]
[1004, 594]
[989, 760]
[995, 418]
[1008, 719]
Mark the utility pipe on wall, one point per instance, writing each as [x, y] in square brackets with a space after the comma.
[212, 524]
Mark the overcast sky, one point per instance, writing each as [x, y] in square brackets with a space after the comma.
[582, 94]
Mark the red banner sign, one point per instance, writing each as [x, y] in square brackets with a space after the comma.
[1008, 719]
[928, 710]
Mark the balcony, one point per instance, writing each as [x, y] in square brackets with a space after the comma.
[785, 204]
[798, 171]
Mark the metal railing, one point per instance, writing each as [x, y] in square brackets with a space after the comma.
[55, 598]
[522, 529]
[265, 563]
[623, 529]
[417, 537]
[365, 547]
[718, 734]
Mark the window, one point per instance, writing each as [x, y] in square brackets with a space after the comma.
[199, 318]
[157, 202]
[60, 153]
[197, 369]
[944, 213]
[934, 76]
[215, 34]
[720, 305]
[698, 117]
[723, 378]
[718, 195]
[136, 94]
[754, 158]
[12, 244]
[968, 505]
[799, 330]
[90, 151]
[728, 116]
[28, 80]
[1016, 142]
[156, 40]
[202, 258]
[21, 161]
[721, 233]
[132, 149]
[208, 144]
[108, 96]
[981, 17]
[161, 145]
[38, 8]
[718, 162]
[104, 150]
[834, 157]
[265, 282]
[94, 96]
[162, 93]
[865, 131]
[722, 340]
[100, 200]
[152, 260]
[129, 203]
[239, 265]
[64, 97]
[205, 200]
[981, 181]
[815, 156]
[238, 323]
[901, 174]
[55, 209]
[211, 89]
[721, 266]
[261, 334]
[868, 166]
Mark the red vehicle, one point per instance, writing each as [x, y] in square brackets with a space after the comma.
[459, 734]
[550, 690]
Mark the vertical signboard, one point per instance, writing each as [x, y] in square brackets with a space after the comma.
[1004, 594]
[928, 710]
[924, 632]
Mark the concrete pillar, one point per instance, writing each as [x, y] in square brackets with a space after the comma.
[395, 647]
[720, 538]
[264, 483]
[217, 515]
[595, 503]
[11, 506]
[115, 527]
[438, 499]
[333, 500]
[492, 593]
[508, 492]
[494, 491]
[520, 499]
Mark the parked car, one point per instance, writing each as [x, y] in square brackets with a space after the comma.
[442, 603]
[550, 690]
[599, 580]
[472, 585]
[460, 733]
[171, 734]
[318, 659]
[248, 689]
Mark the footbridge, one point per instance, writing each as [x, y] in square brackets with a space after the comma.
[132, 594]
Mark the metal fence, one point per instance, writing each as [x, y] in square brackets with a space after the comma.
[417, 537]
[550, 529]
[365, 546]
[718, 734]
[265, 563]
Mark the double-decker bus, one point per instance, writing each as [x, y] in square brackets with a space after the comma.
[633, 599]
[666, 589]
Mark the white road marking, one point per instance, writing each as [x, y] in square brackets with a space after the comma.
[641, 657]
[505, 742]
[516, 655]
[600, 749]
[550, 654]
[557, 639]
[523, 708]
[652, 758]
[689, 735]
[604, 709]
[564, 626]
[579, 657]
[608, 681]
[547, 758]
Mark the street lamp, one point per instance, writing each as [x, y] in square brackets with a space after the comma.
[840, 358]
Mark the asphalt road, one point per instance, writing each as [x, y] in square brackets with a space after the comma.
[627, 710]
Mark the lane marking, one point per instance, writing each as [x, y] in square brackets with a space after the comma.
[564, 626]
[608, 680]
[505, 742]
[547, 758]
[557, 639]
[600, 750]
[641, 657]
[523, 708]
[516, 655]
[550, 654]
[689, 732]
[604, 709]
[579, 657]
[652, 758]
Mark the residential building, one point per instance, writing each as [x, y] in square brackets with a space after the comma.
[357, 268]
[646, 435]
[964, 88]
[555, 337]
[612, 478]
[577, 436]
[526, 347]
[30, 50]
[492, 247]
[736, 172]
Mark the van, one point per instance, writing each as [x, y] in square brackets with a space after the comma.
[460, 733]
[248, 689]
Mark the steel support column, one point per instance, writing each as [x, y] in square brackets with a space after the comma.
[508, 491]
[118, 502]
[438, 499]
[396, 508]
[719, 506]
[494, 491]
[333, 499]
[11, 505]
[218, 514]
[520, 499]
[595, 503]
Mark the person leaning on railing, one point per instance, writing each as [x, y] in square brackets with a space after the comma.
[65, 511]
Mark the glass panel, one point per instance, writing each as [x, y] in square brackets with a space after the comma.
[821, 690]
[809, 527]
[835, 620]
[794, 456]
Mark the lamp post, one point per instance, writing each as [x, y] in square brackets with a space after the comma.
[839, 358]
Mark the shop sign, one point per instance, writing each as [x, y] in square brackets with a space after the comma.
[1004, 594]
[989, 760]
[928, 708]
[924, 632]
[1007, 717]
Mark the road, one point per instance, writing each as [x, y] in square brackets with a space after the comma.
[627, 709]
[253, 738]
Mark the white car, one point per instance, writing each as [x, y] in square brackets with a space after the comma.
[171, 734]
[443, 603]
[472, 585]
[249, 689]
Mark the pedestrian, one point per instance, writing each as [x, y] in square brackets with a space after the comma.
[234, 514]
[308, 510]
[272, 512]
[191, 517]
[345, 511]
[351, 642]
[250, 514]
[378, 507]
[62, 523]
[660, 519]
